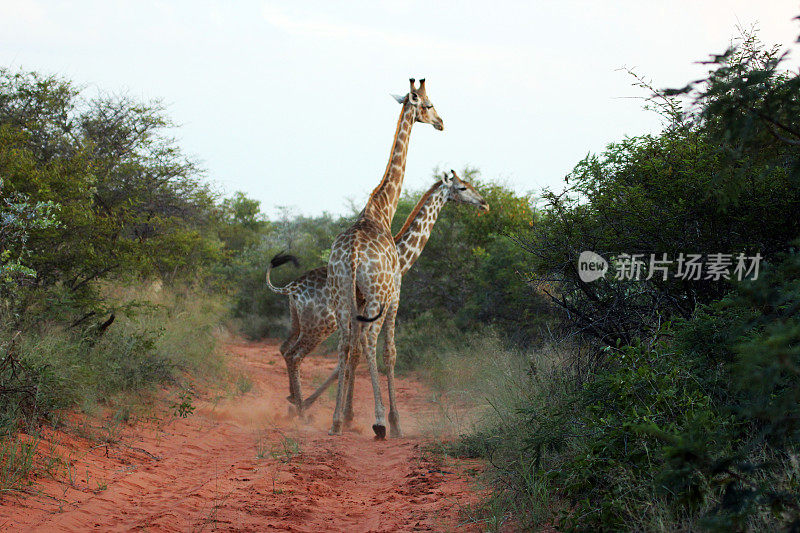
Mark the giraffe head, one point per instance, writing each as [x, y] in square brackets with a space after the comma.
[424, 110]
[462, 192]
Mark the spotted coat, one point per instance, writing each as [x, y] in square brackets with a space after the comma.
[313, 319]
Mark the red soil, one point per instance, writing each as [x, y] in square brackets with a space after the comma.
[234, 465]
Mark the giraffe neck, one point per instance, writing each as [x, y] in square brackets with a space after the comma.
[382, 202]
[414, 234]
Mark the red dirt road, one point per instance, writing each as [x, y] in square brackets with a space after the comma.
[241, 464]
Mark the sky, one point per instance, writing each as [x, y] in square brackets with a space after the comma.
[290, 102]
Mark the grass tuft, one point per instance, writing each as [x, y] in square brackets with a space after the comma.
[17, 456]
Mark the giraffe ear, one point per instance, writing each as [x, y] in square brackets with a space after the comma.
[447, 179]
[413, 98]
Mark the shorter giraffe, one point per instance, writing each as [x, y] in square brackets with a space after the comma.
[313, 319]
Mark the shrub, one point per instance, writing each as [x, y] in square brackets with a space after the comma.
[53, 367]
[689, 418]
[717, 179]
[700, 432]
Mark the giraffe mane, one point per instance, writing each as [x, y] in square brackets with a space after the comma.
[387, 172]
[416, 210]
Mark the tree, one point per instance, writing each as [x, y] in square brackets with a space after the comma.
[471, 267]
[129, 201]
[18, 217]
[722, 177]
[242, 222]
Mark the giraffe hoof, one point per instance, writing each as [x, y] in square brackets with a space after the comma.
[380, 431]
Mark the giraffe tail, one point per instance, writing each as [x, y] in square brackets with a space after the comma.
[277, 261]
[362, 318]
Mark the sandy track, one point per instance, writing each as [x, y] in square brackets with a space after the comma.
[241, 464]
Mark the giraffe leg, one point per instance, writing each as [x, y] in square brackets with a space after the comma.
[290, 371]
[344, 352]
[349, 414]
[304, 345]
[308, 402]
[294, 332]
[379, 427]
[317, 326]
[389, 358]
[287, 347]
[295, 394]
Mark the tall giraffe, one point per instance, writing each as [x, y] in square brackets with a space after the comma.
[364, 260]
[312, 317]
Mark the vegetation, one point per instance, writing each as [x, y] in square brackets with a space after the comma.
[468, 250]
[469, 269]
[98, 199]
[259, 312]
[97, 202]
[678, 409]
[657, 403]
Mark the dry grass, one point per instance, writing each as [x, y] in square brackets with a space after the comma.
[161, 336]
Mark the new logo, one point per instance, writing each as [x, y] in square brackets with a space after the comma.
[591, 266]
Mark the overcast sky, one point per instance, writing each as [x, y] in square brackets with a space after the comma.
[289, 101]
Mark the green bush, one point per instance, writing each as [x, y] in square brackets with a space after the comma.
[698, 433]
[715, 180]
[258, 311]
[684, 411]
[52, 367]
[471, 268]
[129, 202]
[526, 394]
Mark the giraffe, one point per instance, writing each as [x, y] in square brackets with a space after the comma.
[313, 320]
[364, 260]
